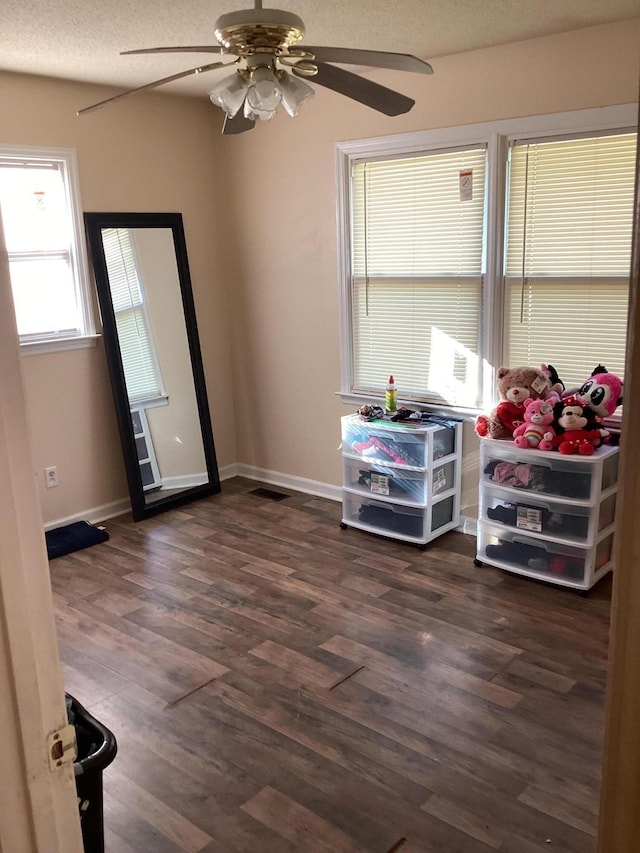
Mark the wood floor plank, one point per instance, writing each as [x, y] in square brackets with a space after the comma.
[173, 826]
[305, 830]
[279, 685]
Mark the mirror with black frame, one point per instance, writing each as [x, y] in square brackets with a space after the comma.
[153, 354]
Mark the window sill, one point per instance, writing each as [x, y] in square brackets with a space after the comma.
[59, 344]
[464, 412]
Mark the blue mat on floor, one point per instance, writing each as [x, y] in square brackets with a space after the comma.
[73, 537]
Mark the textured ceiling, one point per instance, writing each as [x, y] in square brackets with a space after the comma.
[81, 39]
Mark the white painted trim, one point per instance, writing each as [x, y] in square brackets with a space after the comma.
[228, 471]
[94, 514]
[79, 261]
[288, 481]
[39, 806]
[575, 121]
[186, 481]
[58, 344]
[468, 525]
[496, 135]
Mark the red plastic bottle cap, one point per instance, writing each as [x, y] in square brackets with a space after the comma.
[391, 380]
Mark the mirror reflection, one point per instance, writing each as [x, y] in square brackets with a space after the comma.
[154, 358]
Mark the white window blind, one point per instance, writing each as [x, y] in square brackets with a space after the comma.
[139, 361]
[568, 251]
[417, 265]
[47, 276]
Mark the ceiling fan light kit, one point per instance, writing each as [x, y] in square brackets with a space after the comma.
[265, 43]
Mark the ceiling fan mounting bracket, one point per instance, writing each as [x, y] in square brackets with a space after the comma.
[265, 30]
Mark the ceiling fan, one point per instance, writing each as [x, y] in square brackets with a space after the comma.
[273, 66]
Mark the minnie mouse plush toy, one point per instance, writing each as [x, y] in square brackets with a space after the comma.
[577, 428]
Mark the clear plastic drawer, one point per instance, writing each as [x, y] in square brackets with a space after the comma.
[444, 442]
[541, 558]
[545, 473]
[396, 483]
[387, 518]
[383, 445]
[443, 478]
[442, 513]
[550, 518]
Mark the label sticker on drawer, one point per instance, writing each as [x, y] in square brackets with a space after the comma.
[439, 480]
[529, 518]
[379, 483]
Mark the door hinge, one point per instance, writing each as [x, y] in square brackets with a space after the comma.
[62, 747]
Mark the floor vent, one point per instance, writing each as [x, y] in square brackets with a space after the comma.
[269, 494]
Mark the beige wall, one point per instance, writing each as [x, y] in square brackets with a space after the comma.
[260, 215]
[285, 300]
[152, 153]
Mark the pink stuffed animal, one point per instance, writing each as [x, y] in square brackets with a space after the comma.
[537, 430]
[601, 392]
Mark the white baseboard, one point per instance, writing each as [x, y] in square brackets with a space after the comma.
[185, 482]
[93, 515]
[285, 481]
[467, 524]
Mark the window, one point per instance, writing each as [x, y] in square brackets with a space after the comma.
[45, 245]
[417, 271]
[568, 252]
[137, 349]
[468, 248]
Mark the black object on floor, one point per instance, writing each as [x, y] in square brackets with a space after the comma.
[97, 747]
[73, 537]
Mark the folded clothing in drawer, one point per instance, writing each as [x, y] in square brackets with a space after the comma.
[392, 482]
[391, 519]
[555, 523]
[536, 558]
[538, 478]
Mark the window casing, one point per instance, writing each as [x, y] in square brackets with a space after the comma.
[498, 335]
[41, 219]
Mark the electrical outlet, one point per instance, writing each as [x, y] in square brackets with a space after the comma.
[51, 477]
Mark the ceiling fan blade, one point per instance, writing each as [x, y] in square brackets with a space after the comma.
[360, 89]
[202, 48]
[237, 124]
[374, 58]
[198, 70]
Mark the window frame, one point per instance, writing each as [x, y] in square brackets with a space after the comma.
[497, 136]
[87, 335]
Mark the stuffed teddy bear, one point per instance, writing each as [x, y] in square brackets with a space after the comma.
[577, 428]
[537, 429]
[515, 385]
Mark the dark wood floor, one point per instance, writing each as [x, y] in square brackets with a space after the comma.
[278, 684]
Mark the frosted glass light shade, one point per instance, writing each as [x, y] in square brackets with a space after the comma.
[263, 95]
[294, 93]
[229, 94]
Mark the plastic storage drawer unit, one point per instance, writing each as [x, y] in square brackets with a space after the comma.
[401, 480]
[546, 515]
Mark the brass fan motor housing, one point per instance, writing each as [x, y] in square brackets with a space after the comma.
[258, 31]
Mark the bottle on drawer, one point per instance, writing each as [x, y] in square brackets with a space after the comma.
[391, 397]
